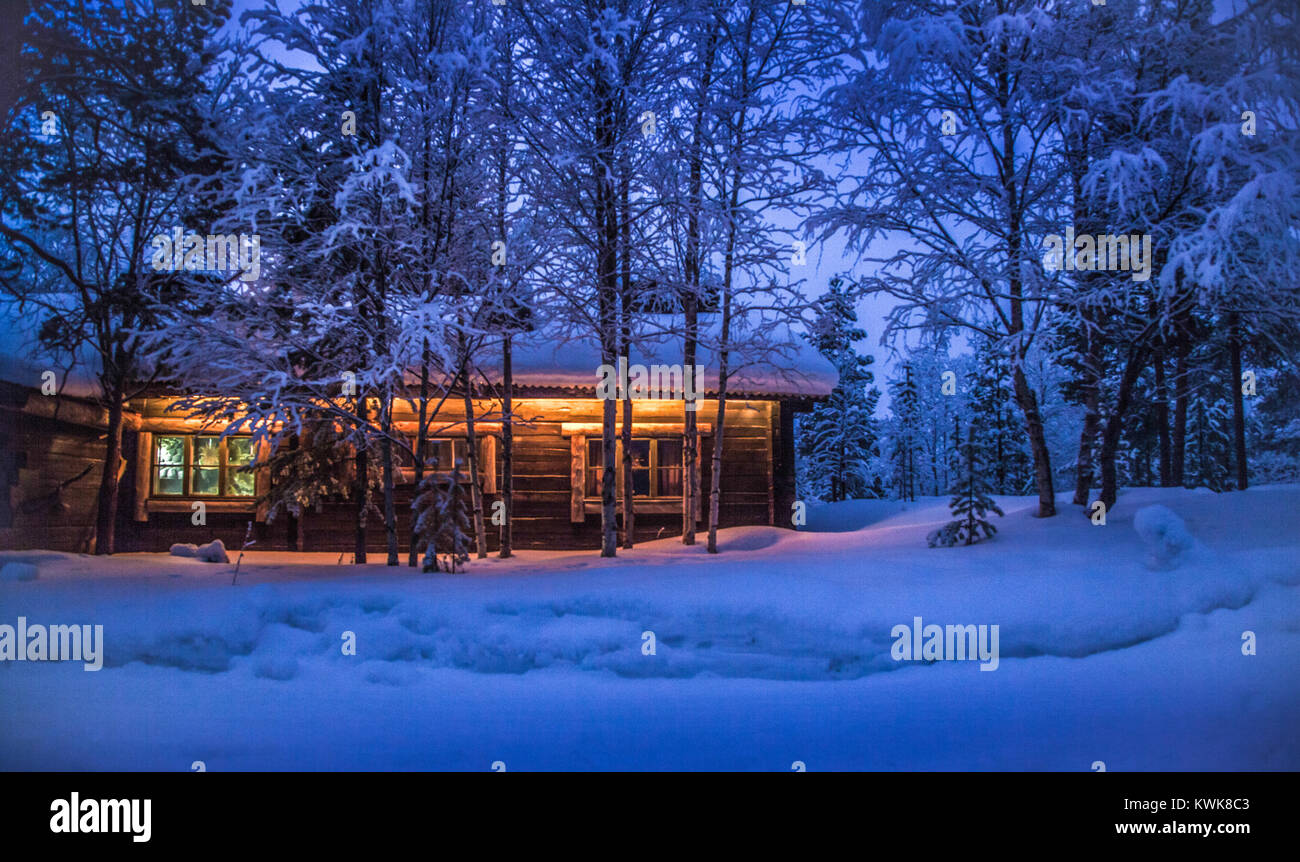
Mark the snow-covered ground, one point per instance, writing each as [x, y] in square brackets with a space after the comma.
[1114, 647]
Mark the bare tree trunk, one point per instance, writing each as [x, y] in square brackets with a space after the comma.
[691, 443]
[1093, 353]
[629, 509]
[507, 447]
[608, 480]
[294, 523]
[1037, 443]
[1181, 395]
[390, 511]
[1024, 394]
[691, 302]
[106, 509]
[607, 290]
[429, 252]
[715, 477]
[421, 444]
[1238, 412]
[625, 238]
[1092, 372]
[1114, 427]
[505, 536]
[362, 488]
[376, 308]
[1162, 422]
[934, 459]
[471, 446]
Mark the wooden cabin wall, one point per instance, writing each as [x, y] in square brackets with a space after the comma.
[784, 487]
[37, 455]
[757, 479]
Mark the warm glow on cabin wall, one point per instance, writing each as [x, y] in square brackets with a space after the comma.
[528, 411]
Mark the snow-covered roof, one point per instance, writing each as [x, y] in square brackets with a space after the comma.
[798, 371]
[793, 370]
[23, 359]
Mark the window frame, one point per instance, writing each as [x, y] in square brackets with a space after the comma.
[407, 471]
[188, 467]
[592, 472]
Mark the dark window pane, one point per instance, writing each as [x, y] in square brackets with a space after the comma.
[670, 482]
[670, 468]
[670, 453]
[640, 483]
[595, 457]
[439, 454]
[640, 453]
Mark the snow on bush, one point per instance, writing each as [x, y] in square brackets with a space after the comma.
[944, 537]
[1168, 541]
[18, 572]
[212, 552]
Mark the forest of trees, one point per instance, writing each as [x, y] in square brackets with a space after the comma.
[434, 182]
[973, 137]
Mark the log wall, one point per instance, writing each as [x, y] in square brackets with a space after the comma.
[757, 481]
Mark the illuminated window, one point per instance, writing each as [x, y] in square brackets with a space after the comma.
[656, 467]
[202, 465]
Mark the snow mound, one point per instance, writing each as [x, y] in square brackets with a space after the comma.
[848, 516]
[212, 552]
[280, 668]
[1168, 541]
[18, 572]
[750, 539]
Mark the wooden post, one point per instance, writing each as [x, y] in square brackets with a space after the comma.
[143, 474]
[488, 457]
[577, 478]
[262, 480]
[771, 454]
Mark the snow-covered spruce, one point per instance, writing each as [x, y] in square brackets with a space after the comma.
[838, 438]
[971, 501]
[442, 521]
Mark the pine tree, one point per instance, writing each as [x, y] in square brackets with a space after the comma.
[937, 406]
[1274, 425]
[442, 521]
[993, 417]
[906, 433]
[838, 438]
[308, 471]
[971, 501]
[1209, 443]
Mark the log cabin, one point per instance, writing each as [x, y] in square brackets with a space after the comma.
[53, 449]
